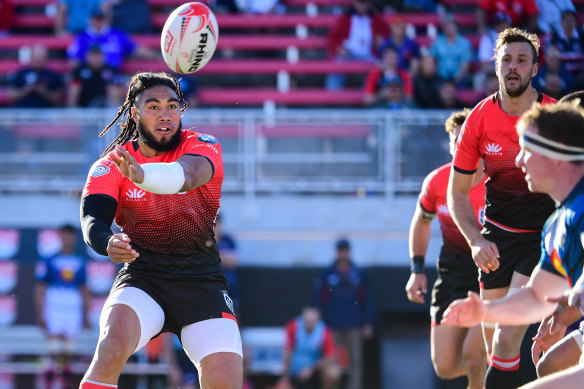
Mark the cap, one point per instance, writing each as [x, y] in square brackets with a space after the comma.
[501, 16]
[343, 244]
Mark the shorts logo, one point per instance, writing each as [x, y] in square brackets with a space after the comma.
[207, 139]
[100, 170]
[228, 301]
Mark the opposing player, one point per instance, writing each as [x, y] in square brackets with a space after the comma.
[162, 185]
[456, 351]
[507, 248]
[552, 155]
[62, 302]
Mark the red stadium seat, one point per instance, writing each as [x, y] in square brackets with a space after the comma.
[300, 97]
[63, 131]
[315, 131]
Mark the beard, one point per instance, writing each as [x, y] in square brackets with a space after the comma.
[164, 145]
[517, 92]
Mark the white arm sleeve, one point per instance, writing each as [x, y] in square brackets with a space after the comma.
[163, 178]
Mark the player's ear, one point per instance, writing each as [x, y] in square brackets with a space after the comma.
[135, 114]
[534, 70]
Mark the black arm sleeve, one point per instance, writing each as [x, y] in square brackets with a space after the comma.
[97, 215]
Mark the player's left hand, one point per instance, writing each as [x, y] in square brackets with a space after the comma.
[548, 334]
[127, 165]
[466, 312]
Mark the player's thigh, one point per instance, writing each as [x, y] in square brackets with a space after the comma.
[132, 317]
[446, 345]
[208, 337]
[562, 355]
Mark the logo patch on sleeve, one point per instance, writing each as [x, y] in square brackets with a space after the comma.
[207, 139]
[100, 170]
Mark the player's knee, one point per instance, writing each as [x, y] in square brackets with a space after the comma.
[547, 365]
[508, 339]
[446, 369]
[223, 381]
[113, 347]
[474, 361]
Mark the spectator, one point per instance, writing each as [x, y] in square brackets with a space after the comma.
[449, 96]
[501, 21]
[427, 83]
[95, 84]
[419, 5]
[343, 296]
[130, 16]
[453, 52]
[228, 253]
[554, 71]
[62, 303]
[115, 44]
[35, 85]
[550, 14]
[356, 35]
[523, 13]
[309, 354]
[6, 12]
[388, 80]
[570, 41]
[73, 15]
[408, 49]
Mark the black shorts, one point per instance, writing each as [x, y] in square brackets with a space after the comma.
[518, 252]
[457, 274]
[184, 299]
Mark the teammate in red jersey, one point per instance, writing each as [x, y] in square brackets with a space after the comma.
[162, 185]
[508, 247]
[456, 351]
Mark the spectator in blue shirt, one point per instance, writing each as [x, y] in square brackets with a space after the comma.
[342, 295]
[115, 44]
[408, 49]
[453, 53]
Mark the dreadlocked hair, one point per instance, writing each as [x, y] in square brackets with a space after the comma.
[139, 83]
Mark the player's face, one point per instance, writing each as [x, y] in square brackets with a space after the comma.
[535, 166]
[515, 68]
[158, 118]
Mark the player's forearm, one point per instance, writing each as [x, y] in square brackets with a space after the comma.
[419, 237]
[521, 307]
[464, 216]
[97, 215]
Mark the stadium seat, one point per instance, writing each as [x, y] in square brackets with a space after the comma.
[299, 97]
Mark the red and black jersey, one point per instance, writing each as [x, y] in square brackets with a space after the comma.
[172, 231]
[490, 133]
[433, 200]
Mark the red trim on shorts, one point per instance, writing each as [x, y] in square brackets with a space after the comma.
[433, 324]
[482, 284]
[504, 227]
[229, 316]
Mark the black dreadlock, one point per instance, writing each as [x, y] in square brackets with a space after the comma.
[139, 83]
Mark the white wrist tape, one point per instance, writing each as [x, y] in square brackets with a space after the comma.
[163, 178]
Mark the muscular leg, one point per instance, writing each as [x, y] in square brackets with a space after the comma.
[446, 349]
[571, 378]
[562, 355]
[118, 339]
[489, 328]
[222, 370]
[474, 357]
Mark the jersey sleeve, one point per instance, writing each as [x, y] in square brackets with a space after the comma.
[104, 178]
[328, 346]
[427, 195]
[205, 145]
[467, 158]
[290, 334]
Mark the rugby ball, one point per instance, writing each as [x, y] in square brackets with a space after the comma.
[189, 38]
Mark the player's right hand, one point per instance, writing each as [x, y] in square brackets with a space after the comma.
[417, 287]
[486, 255]
[466, 312]
[119, 249]
[546, 337]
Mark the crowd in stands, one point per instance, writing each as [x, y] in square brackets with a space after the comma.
[410, 65]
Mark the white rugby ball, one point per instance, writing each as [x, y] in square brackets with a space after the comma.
[189, 37]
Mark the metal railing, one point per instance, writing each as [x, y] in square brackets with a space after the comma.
[306, 151]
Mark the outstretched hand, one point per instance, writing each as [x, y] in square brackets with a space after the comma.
[466, 312]
[127, 165]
